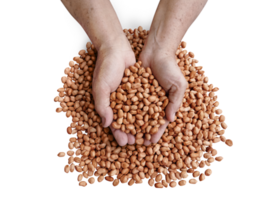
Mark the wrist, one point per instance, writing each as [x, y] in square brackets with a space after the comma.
[166, 29]
[111, 41]
[155, 48]
[171, 21]
[99, 21]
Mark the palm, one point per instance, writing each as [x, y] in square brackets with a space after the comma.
[169, 76]
[108, 74]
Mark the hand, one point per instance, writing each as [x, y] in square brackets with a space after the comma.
[108, 73]
[165, 69]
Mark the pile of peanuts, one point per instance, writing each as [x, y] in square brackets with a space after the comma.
[186, 145]
[139, 103]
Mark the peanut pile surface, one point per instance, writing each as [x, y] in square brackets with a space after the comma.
[186, 145]
[139, 103]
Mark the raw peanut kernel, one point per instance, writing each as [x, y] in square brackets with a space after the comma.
[130, 127]
[219, 158]
[152, 98]
[120, 120]
[140, 122]
[229, 143]
[153, 130]
[119, 96]
[61, 154]
[120, 113]
[115, 125]
[162, 121]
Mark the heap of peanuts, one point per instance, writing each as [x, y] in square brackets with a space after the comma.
[139, 103]
[186, 145]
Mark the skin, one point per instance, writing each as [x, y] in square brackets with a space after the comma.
[107, 77]
[101, 24]
[165, 69]
[98, 19]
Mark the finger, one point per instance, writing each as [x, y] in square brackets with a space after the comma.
[130, 139]
[155, 138]
[144, 60]
[121, 137]
[176, 94]
[102, 104]
[147, 143]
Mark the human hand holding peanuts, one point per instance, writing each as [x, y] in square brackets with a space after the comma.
[108, 73]
[166, 71]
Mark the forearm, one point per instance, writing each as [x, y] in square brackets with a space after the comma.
[98, 19]
[171, 21]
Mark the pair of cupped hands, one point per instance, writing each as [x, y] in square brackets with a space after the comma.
[110, 65]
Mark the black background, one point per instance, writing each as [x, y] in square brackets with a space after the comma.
[208, 38]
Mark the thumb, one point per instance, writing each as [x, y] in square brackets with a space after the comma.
[101, 97]
[176, 94]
